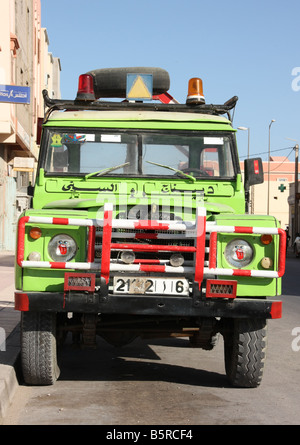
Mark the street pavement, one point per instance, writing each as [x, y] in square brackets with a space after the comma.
[9, 332]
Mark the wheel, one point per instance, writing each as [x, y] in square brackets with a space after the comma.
[38, 348]
[245, 342]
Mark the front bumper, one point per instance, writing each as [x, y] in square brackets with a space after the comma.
[147, 305]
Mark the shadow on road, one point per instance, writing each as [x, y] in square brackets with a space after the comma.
[136, 362]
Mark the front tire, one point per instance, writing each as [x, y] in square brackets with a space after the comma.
[245, 343]
[38, 348]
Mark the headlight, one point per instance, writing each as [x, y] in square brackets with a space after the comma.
[62, 248]
[238, 253]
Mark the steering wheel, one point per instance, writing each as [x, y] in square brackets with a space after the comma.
[195, 170]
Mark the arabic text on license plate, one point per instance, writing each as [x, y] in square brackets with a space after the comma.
[154, 286]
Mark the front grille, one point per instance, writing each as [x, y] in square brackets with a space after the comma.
[156, 238]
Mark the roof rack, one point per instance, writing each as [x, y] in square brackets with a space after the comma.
[75, 105]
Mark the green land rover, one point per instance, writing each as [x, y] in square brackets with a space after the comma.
[139, 226]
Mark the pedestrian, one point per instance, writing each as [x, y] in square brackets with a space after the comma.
[287, 237]
[296, 245]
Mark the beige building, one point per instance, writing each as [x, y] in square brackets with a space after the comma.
[272, 197]
[24, 62]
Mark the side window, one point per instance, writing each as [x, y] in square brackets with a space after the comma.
[209, 161]
[60, 159]
[57, 159]
[216, 158]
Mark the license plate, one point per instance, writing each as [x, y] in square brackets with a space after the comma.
[151, 286]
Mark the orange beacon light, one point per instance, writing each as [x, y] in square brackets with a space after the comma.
[195, 92]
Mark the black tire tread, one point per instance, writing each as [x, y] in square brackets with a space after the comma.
[245, 352]
[38, 348]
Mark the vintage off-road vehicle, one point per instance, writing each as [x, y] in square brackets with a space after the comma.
[139, 226]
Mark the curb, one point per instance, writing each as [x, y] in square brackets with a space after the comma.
[9, 365]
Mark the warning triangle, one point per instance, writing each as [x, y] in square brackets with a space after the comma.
[139, 90]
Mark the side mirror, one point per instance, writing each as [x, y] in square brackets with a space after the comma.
[254, 173]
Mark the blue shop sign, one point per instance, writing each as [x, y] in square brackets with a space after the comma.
[14, 94]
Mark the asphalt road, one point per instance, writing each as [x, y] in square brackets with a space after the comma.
[165, 382]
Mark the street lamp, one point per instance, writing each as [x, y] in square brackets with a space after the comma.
[296, 148]
[246, 129]
[295, 225]
[269, 154]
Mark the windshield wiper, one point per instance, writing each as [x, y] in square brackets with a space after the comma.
[105, 170]
[174, 170]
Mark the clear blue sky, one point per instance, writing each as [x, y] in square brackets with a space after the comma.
[243, 48]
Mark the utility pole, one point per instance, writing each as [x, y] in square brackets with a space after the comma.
[296, 148]
[269, 155]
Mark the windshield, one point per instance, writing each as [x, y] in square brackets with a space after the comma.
[99, 153]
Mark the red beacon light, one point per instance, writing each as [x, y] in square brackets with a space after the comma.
[85, 88]
[195, 92]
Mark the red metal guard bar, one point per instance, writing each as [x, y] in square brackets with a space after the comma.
[107, 245]
[249, 230]
[199, 270]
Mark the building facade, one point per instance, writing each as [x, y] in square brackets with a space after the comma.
[272, 197]
[24, 62]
